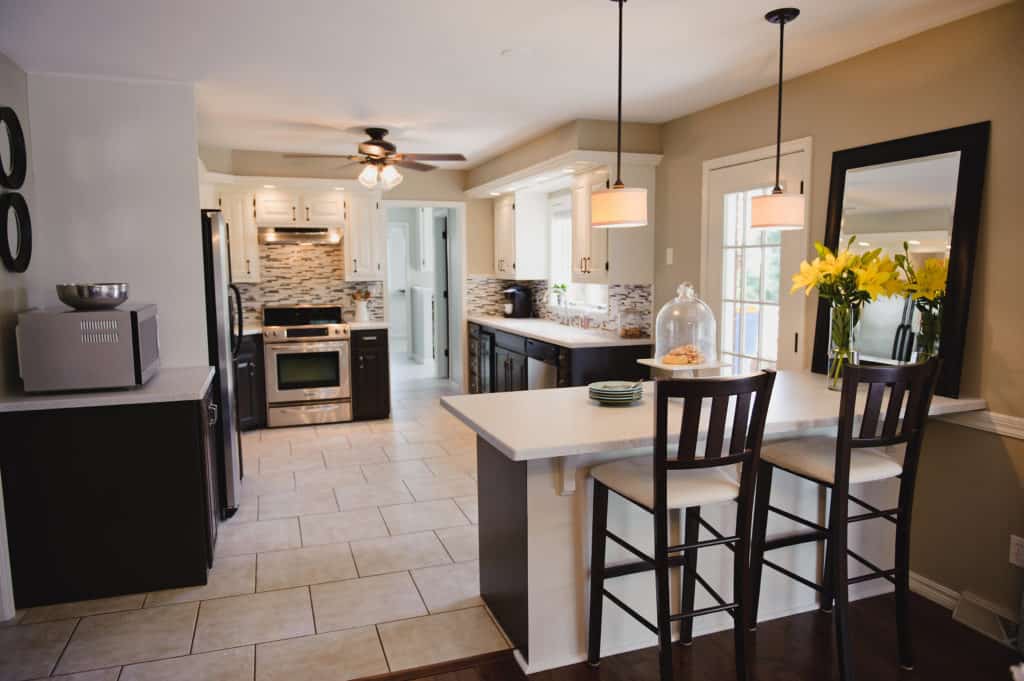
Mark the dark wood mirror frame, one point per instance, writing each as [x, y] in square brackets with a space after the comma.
[972, 143]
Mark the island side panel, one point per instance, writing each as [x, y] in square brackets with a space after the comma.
[504, 584]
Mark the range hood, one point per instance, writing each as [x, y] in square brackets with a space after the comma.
[329, 236]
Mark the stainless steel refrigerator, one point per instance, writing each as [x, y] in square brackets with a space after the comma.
[224, 336]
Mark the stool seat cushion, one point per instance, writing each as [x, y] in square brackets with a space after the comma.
[815, 458]
[634, 478]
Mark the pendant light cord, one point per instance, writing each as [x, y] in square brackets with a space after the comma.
[778, 118]
[618, 143]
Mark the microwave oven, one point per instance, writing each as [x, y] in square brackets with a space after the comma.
[64, 349]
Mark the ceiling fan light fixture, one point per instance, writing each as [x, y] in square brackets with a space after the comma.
[390, 177]
[618, 206]
[778, 210]
[368, 177]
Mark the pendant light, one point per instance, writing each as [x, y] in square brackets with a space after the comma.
[778, 210]
[368, 178]
[619, 206]
[387, 176]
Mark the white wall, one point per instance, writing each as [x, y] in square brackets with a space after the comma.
[117, 198]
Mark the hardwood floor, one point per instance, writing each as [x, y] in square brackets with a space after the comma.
[798, 648]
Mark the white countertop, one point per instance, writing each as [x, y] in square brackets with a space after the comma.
[185, 384]
[557, 334]
[541, 424]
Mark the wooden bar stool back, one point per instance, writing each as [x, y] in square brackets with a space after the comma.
[853, 457]
[662, 482]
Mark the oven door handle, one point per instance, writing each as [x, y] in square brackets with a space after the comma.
[295, 348]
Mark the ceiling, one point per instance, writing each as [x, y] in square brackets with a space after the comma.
[470, 76]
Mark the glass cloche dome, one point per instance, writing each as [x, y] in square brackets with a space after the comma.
[685, 330]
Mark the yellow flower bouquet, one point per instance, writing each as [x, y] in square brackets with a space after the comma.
[847, 280]
[927, 287]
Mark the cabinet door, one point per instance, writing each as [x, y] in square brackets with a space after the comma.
[208, 437]
[243, 238]
[371, 392]
[378, 241]
[502, 370]
[474, 364]
[486, 363]
[589, 245]
[276, 208]
[323, 209]
[517, 371]
[504, 235]
[248, 390]
[358, 240]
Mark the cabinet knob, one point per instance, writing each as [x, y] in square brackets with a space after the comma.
[248, 266]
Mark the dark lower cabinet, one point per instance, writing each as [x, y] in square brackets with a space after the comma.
[112, 500]
[509, 370]
[250, 384]
[371, 387]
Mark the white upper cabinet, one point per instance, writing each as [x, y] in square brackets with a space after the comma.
[423, 235]
[589, 246]
[277, 208]
[243, 241]
[365, 241]
[286, 208]
[520, 236]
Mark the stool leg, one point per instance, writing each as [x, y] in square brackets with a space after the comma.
[903, 573]
[761, 500]
[690, 535]
[742, 588]
[837, 540]
[828, 590]
[597, 557]
[662, 591]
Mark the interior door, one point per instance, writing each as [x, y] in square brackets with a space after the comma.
[747, 271]
[398, 286]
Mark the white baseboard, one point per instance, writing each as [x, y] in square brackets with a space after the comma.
[933, 591]
[989, 421]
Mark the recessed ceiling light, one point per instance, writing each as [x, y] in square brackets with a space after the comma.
[339, 189]
[914, 242]
[567, 170]
[495, 193]
[270, 186]
[542, 178]
[865, 244]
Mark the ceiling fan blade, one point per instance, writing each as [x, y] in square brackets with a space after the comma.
[433, 157]
[347, 165]
[415, 165]
[349, 158]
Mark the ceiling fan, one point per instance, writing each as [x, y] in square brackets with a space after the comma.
[380, 158]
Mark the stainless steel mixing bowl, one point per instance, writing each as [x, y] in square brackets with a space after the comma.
[104, 296]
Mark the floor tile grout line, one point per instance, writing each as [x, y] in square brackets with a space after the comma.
[383, 650]
[195, 629]
[67, 644]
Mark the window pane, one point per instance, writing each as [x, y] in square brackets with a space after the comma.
[772, 274]
[731, 272]
[750, 327]
[729, 336]
[752, 274]
[769, 332]
[772, 237]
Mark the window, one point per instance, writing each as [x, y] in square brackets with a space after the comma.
[560, 262]
[751, 281]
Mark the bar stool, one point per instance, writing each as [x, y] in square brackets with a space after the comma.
[659, 483]
[835, 464]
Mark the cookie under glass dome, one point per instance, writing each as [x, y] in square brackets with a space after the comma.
[685, 331]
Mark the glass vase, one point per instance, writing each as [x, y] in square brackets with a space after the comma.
[841, 342]
[927, 342]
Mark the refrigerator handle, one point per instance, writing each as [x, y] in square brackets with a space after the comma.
[236, 337]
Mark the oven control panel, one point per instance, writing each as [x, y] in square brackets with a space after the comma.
[305, 334]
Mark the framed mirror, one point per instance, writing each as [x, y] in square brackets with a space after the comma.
[13, 155]
[924, 191]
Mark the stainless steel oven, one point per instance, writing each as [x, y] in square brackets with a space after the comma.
[307, 365]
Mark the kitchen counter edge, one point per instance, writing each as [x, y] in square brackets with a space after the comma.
[602, 339]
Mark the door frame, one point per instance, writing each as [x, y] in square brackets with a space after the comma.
[387, 271]
[457, 328]
[804, 145]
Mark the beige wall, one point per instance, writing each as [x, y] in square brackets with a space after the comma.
[961, 73]
[13, 287]
[436, 185]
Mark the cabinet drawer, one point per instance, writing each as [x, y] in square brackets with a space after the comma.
[369, 339]
[510, 342]
[545, 352]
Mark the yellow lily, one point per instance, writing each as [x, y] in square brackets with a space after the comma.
[871, 279]
[931, 279]
[808, 276]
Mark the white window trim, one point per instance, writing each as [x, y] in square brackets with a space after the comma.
[803, 144]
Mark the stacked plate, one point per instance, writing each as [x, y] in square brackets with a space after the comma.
[616, 393]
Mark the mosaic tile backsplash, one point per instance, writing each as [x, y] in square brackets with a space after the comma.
[484, 297]
[305, 274]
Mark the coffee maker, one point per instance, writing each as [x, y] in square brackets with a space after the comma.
[518, 301]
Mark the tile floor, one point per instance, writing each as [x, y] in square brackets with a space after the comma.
[354, 553]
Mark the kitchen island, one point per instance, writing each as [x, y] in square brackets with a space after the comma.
[534, 451]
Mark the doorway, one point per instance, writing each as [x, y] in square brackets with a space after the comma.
[745, 272]
[418, 292]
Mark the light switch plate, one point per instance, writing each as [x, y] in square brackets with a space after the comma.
[1017, 550]
[669, 255]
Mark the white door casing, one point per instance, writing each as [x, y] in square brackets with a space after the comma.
[398, 286]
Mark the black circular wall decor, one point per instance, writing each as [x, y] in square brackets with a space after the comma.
[16, 145]
[15, 262]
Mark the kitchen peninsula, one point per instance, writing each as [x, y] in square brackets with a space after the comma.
[534, 451]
